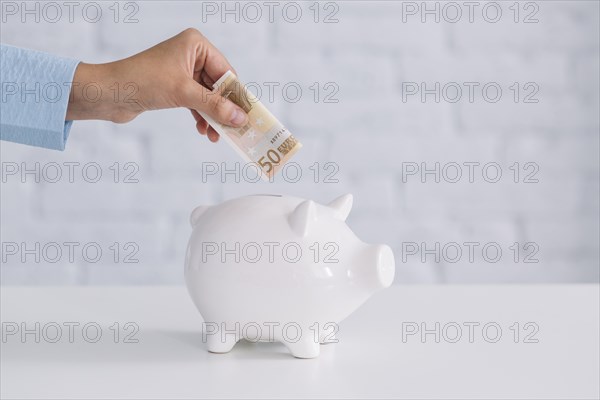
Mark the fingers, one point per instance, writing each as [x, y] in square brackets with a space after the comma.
[210, 66]
[215, 63]
[208, 58]
[206, 80]
[196, 115]
[213, 135]
[222, 110]
[204, 128]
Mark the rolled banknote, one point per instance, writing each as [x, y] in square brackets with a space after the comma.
[263, 140]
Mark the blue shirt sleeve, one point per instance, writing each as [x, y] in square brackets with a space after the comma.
[35, 95]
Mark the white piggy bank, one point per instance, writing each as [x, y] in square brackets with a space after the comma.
[279, 268]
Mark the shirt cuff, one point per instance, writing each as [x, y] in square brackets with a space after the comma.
[35, 96]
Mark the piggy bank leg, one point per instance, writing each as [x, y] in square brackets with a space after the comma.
[305, 348]
[219, 344]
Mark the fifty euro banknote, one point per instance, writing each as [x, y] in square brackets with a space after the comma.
[263, 140]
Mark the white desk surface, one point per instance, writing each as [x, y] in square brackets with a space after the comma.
[371, 360]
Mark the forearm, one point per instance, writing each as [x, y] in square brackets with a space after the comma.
[178, 72]
[98, 93]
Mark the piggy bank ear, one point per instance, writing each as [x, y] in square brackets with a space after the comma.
[302, 217]
[342, 206]
[198, 211]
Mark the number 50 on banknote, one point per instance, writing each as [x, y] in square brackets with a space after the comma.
[263, 140]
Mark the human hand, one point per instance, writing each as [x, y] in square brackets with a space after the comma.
[175, 73]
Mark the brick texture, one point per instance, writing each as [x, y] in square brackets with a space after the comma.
[361, 129]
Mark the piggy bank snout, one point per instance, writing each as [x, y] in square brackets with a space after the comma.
[385, 265]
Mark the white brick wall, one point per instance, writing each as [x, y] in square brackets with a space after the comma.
[370, 133]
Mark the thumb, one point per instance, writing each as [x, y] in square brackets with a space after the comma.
[222, 110]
